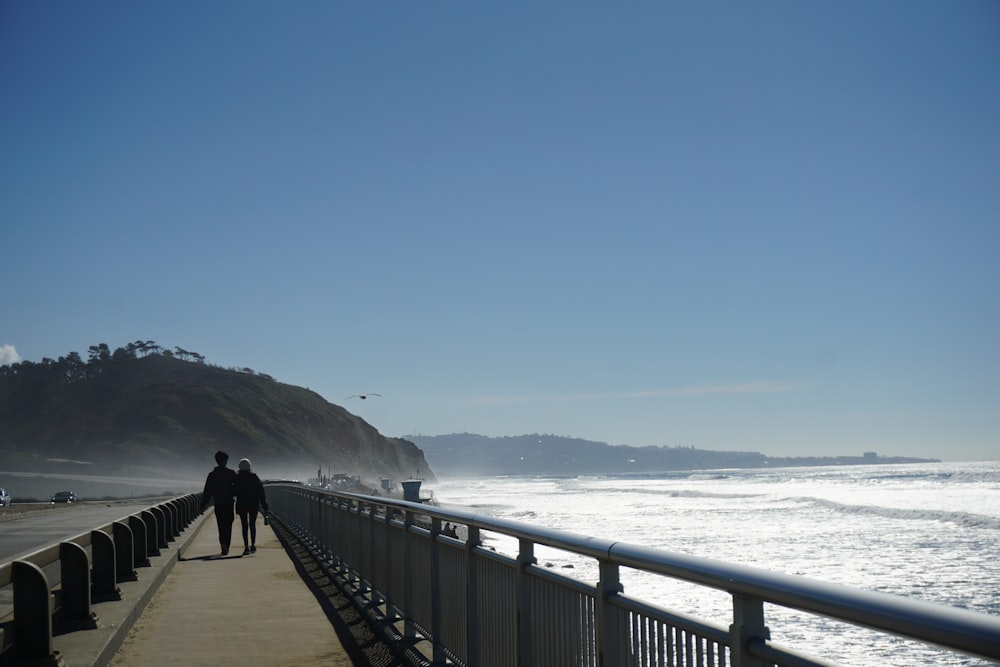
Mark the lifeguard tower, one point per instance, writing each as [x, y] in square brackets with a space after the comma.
[411, 491]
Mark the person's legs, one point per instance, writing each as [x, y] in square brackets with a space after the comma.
[252, 518]
[218, 522]
[224, 518]
[244, 520]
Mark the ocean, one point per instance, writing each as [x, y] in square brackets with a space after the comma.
[929, 531]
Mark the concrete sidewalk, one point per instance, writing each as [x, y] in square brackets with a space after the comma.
[216, 611]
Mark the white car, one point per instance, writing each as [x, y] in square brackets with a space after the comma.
[4, 498]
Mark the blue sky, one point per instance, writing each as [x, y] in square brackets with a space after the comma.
[771, 226]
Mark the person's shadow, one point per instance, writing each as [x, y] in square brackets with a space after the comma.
[183, 559]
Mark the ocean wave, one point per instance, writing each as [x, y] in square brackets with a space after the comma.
[964, 519]
[685, 493]
[481, 508]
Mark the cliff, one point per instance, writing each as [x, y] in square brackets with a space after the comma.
[124, 414]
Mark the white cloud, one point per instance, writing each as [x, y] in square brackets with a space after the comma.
[756, 387]
[8, 355]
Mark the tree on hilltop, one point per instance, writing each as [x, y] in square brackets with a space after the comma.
[100, 358]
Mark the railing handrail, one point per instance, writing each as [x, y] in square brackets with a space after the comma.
[926, 621]
[964, 630]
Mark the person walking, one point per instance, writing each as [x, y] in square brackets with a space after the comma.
[220, 489]
[249, 498]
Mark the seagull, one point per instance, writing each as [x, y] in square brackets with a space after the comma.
[361, 396]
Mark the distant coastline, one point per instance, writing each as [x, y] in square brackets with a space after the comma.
[870, 458]
[470, 454]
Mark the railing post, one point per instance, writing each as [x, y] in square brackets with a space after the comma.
[105, 566]
[184, 506]
[356, 546]
[438, 654]
[137, 526]
[124, 552]
[408, 575]
[320, 532]
[180, 512]
[609, 631]
[191, 502]
[342, 535]
[748, 623]
[390, 609]
[161, 526]
[525, 638]
[32, 613]
[369, 552]
[169, 522]
[74, 569]
[177, 509]
[152, 541]
[314, 515]
[472, 630]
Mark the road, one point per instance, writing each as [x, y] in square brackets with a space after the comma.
[26, 528]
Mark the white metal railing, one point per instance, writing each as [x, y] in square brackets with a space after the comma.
[476, 607]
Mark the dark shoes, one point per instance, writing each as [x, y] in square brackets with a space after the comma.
[246, 550]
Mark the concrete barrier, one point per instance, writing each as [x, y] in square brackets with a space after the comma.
[82, 619]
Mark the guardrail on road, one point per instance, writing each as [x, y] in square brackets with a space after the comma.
[91, 566]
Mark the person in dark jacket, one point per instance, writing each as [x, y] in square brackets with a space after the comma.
[220, 489]
[249, 498]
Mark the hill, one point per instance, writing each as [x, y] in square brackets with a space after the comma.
[468, 454]
[144, 411]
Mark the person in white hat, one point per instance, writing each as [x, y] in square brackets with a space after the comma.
[249, 499]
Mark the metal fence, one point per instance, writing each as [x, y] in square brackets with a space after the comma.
[462, 603]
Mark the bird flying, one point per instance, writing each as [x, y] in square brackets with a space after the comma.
[361, 396]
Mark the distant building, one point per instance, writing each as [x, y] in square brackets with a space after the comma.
[870, 456]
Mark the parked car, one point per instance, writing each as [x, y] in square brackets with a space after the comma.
[4, 498]
[65, 497]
